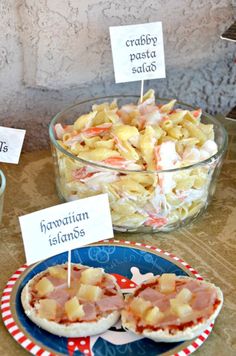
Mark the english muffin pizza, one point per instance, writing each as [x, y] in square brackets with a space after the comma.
[170, 308]
[91, 305]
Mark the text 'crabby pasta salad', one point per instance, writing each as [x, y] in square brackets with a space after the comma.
[158, 162]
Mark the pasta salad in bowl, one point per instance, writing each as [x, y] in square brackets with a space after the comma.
[157, 159]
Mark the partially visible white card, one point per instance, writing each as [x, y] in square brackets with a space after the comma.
[64, 227]
[11, 142]
[138, 52]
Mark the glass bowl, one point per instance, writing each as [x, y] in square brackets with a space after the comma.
[2, 192]
[138, 204]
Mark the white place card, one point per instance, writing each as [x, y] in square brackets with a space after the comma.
[138, 52]
[64, 227]
[11, 142]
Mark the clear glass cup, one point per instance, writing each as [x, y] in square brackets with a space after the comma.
[176, 212]
[2, 191]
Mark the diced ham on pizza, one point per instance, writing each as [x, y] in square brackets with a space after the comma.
[169, 308]
[90, 305]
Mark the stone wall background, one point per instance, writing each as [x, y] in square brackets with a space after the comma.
[54, 53]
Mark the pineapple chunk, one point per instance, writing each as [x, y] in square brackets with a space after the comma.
[89, 293]
[139, 306]
[167, 283]
[174, 304]
[153, 316]
[44, 287]
[185, 295]
[91, 276]
[181, 309]
[47, 309]
[58, 272]
[184, 310]
[73, 309]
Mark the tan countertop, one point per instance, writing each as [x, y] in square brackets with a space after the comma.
[208, 244]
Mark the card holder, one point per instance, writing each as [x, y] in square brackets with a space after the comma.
[230, 33]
